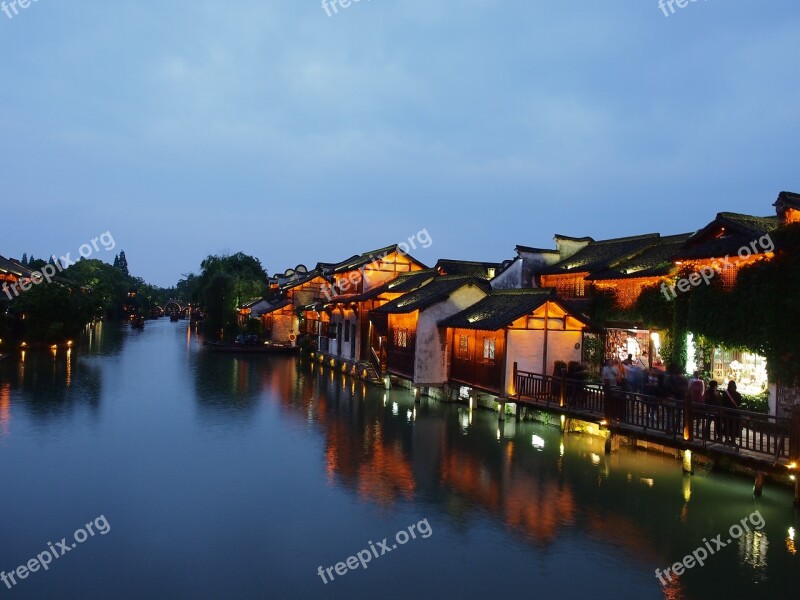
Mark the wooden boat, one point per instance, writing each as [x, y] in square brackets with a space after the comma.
[174, 317]
[261, 348]
[137, 322]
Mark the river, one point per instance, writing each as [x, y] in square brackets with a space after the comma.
[215, 476]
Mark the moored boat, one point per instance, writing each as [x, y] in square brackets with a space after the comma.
[251, 345]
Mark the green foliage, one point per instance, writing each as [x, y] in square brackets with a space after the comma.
[761, 313]
[759, 403]
[594, 350]
[654, 308]
[108, 286]
[225, 283]
[51, 313]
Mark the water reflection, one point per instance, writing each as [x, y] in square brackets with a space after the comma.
[538, 482]
[50, 382]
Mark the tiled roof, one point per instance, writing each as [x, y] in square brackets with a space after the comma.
[301, 279]
[789, 199]
[531, 250]
[252, 303]
[725, 235]
[430, 293]
[503, 307]
[13, 267]
[653, 261]
[467, 267]
[360, 260]
[281, 304]
[401, 284]
[600, 255]
[558, 236]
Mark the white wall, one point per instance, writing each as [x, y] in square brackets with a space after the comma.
[430, 359]
[511, 278]
[526, 348]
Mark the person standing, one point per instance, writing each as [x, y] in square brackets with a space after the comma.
[733, 423]
[697, 388]
[711, 400]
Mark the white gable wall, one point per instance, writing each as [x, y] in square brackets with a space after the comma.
[430, 359]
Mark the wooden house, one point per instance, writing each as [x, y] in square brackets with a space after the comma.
[355, 287]
[529, 329]
[416, 346]
[741, 239]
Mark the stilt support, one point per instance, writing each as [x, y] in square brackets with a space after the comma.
[758, 488]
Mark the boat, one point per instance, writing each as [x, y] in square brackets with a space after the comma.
[250, 344]
[137, 322]
[174, 317]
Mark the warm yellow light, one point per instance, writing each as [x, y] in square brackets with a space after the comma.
[23, 345]
[791, 465]
[603, 423]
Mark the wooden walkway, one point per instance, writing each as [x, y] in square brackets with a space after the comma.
[754, 440]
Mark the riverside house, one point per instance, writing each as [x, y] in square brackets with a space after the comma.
[353, 288]
[528, 330]
[417, 349]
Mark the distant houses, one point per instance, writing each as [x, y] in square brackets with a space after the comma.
[470, 325]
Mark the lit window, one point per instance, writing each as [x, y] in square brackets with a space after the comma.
[488, 348]
[463, 346]
[401, 338]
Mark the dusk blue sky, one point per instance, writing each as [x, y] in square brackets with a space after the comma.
[188, 128]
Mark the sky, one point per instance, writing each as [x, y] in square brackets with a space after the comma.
[189, 128]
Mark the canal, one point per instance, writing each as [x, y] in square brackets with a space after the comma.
[215, 476]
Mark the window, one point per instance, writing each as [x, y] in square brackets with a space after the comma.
[463, 346]
[347, 331]
[488, 348]
[332, 331]
[401, 338]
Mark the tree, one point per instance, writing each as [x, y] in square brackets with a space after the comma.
[52, 312]
[224, 283]
[109, 286]
[24, 260]
[122, 263]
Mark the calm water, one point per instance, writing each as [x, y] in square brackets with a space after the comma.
[225, 477]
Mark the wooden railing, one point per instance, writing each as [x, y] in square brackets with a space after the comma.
[679, 419]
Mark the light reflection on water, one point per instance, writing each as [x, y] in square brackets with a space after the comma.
[298, 465]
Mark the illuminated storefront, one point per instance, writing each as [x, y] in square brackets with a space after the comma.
[747, 369]
[638, 343]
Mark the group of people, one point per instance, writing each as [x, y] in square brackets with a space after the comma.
[633, 376]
